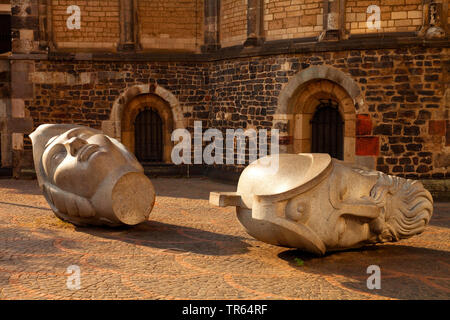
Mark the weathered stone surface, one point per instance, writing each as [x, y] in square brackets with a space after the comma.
[249, 92]
[90, 178]
[318, 204]
[363, 125]
[367, 146]
[437, 127]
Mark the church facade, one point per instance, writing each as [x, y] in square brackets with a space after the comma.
[366, 81]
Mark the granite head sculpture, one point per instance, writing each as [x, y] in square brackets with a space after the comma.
[89, 178]
[318, 204]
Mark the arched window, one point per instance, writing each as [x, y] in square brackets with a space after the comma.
[327, 130]
[148, 136]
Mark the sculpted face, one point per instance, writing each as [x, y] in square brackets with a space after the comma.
[80, 159]
[339, 209]
[90, 178]
[333, 206]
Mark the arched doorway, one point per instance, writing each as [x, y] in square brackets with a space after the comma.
[324, 120]
[299, 99]
[305, 105]
[148, 136]
[135, 99]
[327, 129]
[146, 128]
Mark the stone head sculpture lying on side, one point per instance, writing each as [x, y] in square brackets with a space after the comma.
[318, 204]
[89, 178]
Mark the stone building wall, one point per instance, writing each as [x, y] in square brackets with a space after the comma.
[400, 128]
[25, 26]
[399, 123]
[396, 15]
[5, 96]
[5, 80]
[84, 92]
[233, 22]
[292, 18]
[99, 28]
[170, 24]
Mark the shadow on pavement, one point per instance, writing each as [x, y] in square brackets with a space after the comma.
[193, 188]
[173, 238]
[406, 272]
[441, 215]
[21, 186]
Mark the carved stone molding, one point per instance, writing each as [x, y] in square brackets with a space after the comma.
[333, 20]
[434, 20]
[128, 26]
[211, 27]
[254, 23]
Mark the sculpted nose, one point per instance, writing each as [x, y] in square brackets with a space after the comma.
[74, 145]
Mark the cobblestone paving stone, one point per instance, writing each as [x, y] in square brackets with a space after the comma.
[191, 250]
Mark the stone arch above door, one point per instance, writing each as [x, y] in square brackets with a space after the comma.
[316, 73]
[112, 127]
[136, 98]
[298, 100]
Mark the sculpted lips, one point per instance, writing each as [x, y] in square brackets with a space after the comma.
[87, 151]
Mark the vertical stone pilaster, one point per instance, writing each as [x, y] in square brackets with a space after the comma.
[25, 26]
[254, 23]
[45, 25]
[17, 121]
[333, 20]
[128, 26]
[5, 112]
[434, 23]
[211, 27]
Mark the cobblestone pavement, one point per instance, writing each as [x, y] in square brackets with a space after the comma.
[191, 250]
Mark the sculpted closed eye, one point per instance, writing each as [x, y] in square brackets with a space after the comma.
[80, 133]
[84, 136]
[57, 156]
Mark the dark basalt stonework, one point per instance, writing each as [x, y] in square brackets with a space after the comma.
[403, 90]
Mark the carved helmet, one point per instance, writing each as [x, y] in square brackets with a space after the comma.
[288, 174]
[263, 186]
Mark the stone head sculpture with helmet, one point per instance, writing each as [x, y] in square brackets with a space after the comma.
[319, 204]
